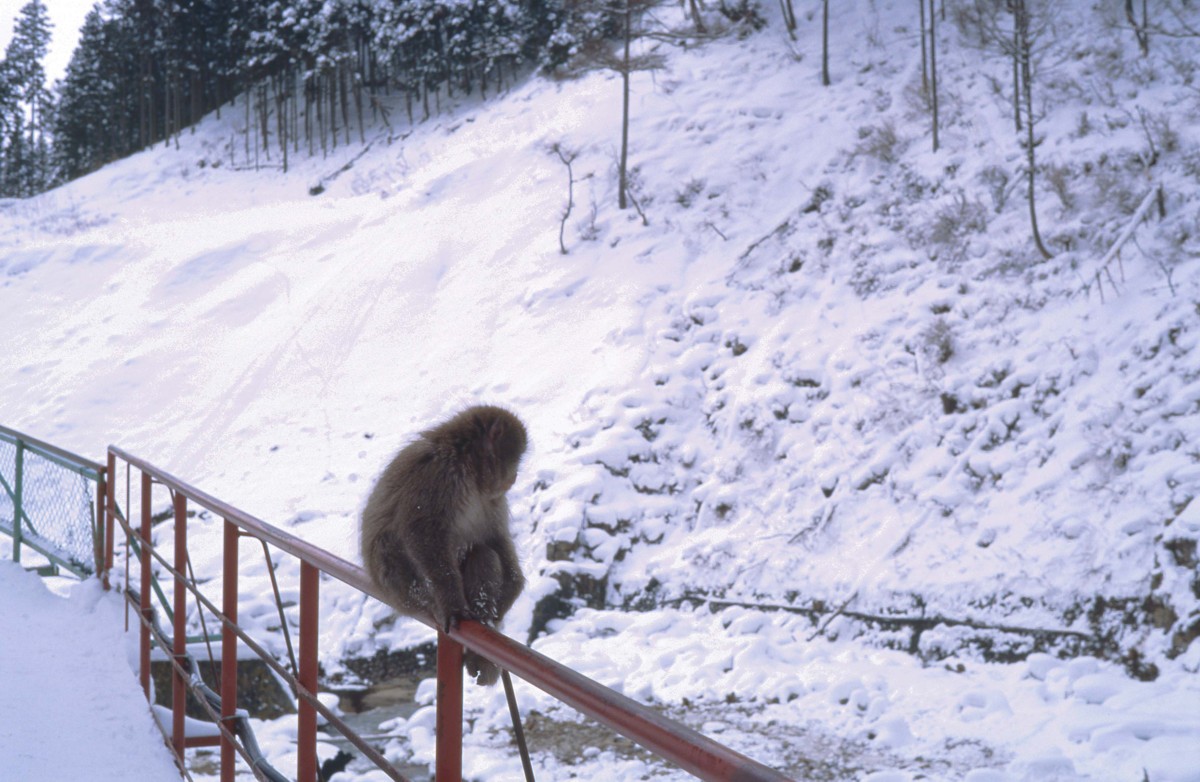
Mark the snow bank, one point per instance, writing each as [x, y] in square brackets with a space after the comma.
[75, 710]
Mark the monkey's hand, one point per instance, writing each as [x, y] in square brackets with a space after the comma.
[449, 619]
[452, 618]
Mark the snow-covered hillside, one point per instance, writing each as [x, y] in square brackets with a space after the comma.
[827, 371]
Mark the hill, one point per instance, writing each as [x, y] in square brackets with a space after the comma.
[820, 380]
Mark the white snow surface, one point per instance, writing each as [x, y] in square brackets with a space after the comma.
[73, 704]
[832, 367]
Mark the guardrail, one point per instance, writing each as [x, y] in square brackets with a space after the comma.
[686, 748]
[51, 503]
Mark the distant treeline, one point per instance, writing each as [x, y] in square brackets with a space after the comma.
[145, 69]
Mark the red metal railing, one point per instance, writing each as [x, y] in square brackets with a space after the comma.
[668, 739]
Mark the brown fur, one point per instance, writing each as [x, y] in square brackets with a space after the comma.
[435, 535]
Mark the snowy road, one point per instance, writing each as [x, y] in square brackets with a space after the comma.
[71, 702]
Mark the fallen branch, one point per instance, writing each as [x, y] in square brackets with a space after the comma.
[1155, 196]
[918, 624]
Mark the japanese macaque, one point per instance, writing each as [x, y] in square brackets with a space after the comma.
[435, 535]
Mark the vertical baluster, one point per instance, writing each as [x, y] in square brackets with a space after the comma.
[229, 645]
[144, 589]
[449, 709]
[179, 650]
[18, 499]
[306, 764]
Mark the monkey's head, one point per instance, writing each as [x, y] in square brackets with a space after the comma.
[492, 441]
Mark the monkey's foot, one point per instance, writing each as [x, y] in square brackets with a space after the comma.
[484, 672]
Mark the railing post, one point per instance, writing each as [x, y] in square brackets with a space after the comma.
[449, 709]
[98, 523]
[179, 649]
[110, 517]
[144, 589]
[306, 740]
[18, 502]
[229, 647]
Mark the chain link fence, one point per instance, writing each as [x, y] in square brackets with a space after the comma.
[55, 495]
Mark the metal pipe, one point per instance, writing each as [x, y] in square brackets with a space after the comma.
[205, 697]
[448, 732]
[144, 587]
[284, 674]
[18, 499]
[53, 450]
[229, 645]
[306, 763]
[179, 649]
[98, 523]
[690, 750]
[110, 510]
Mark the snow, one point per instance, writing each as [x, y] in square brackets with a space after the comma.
[826, 371]
[73, 704]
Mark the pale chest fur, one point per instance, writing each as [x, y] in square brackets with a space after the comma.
[479, 519]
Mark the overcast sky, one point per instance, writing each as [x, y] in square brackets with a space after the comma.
[66, 16]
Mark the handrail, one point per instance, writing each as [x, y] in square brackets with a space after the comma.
[687, 748]
[51, 450]
[46, 544]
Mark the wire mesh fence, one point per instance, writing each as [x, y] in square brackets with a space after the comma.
[55, 499]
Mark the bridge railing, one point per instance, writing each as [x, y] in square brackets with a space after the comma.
[686, 748]
[50, 502]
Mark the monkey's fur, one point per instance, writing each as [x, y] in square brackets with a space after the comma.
[435, 535]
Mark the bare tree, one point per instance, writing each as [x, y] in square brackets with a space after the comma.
[825, 43]
[933, 82]
[1141, 31]
[597, 51]
[982, 20]
[1016, 68]
[789, 17]
[626, 65]
[567, 156]
[1025, 37]
[924, 50]
[697, 19]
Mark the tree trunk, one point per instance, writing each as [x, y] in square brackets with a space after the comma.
[933, 72]
[1016, 47]
[825, 43]
[695, 9]
[924, 53]
[1140, 31]
[622, 176]
[1030, 150]
[789, 17]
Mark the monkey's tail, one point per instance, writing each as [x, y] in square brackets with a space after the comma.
[482, 670]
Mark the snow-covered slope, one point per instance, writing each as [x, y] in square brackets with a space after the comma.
[828, 370]
[82, 713]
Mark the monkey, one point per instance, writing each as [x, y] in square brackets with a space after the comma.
[435, 529]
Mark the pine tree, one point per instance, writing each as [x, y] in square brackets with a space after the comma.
[147, 69]
[27, 161]
[10, 109]
[83, 133]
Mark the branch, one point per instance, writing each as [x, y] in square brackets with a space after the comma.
[567, 157]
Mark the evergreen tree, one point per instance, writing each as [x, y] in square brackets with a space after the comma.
[146, 69]
[85, 131]
[27, 164]
[10, 107]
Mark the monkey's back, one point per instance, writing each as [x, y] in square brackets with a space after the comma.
[412, 497]
[436, 524]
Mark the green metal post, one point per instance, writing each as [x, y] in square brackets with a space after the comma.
[18, 505]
